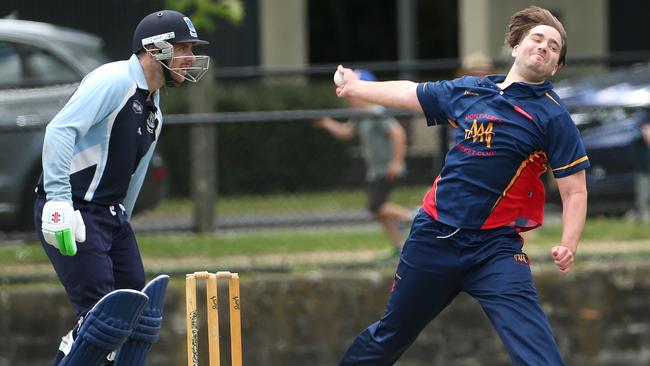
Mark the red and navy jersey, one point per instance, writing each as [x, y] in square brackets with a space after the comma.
[504, 141]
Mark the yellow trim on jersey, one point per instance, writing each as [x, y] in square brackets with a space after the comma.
[551, 98]
[452, 123]
[584, 158]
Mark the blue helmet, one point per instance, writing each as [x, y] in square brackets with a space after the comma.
[162, 30]
[164, 25]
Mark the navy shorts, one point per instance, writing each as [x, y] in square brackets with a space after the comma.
[436, 264]
[109, 259]
[378, 192]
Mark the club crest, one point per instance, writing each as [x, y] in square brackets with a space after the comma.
[151, 123]
[190, 26]
[137, 107]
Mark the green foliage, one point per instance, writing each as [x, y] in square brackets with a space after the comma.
[275, 157]
[204, 12]
[269, 95]
[261, 157]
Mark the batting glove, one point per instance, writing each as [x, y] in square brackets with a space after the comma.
[63, 227]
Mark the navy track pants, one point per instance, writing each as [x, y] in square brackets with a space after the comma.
[439, 261]
[109, 259]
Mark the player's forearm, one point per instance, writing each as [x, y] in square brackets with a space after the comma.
[392, 94]
[337, 129]
[574, 211]
[58, 147]
[398, 137]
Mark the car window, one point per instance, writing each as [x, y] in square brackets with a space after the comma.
[90, 57]
[44, 68]
[23, 65]
[10, 69]
[586, 118]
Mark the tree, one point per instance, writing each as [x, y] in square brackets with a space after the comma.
[204, 12]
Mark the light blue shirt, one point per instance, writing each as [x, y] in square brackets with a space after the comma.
[98, 147]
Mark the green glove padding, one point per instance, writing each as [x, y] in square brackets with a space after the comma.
[65, 243]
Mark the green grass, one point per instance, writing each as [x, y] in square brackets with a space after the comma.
[293, 203]
[295, 241]
[275, 242]
[30, 253]
[225, 244]
[596, 230]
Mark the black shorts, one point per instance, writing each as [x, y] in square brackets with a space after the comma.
[378, 191]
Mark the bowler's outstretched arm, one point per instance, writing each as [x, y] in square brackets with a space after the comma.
[392, 94]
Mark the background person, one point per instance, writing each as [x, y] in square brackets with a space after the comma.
[383, 145]
[509, 130]
[476, 64]
[95, 155]
[643, 176]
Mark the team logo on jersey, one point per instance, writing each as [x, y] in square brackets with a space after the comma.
[137, 107]
[481, 131]
[190, 26]
[522, 258]
[152, 123]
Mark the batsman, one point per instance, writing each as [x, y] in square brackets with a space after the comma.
[95, 155]
[509, 130]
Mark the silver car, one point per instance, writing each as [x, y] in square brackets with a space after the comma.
[40, 67]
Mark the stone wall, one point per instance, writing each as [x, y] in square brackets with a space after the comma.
[600, 317]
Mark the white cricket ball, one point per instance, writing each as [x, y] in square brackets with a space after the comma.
[338, 78]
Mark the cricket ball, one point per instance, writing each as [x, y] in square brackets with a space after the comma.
[338, 78]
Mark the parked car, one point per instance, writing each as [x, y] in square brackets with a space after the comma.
[40, 67]
[609, 110]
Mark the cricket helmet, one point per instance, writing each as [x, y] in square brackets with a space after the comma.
[165, 25]
[158, 32]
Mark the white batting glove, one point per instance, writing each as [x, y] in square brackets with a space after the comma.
[62, 226]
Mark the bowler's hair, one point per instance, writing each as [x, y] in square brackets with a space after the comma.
[523, 21]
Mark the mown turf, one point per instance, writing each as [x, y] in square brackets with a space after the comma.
[308, 240]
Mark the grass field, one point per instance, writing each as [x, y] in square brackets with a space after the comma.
[333, 201]
[290, 241]
[286, 242]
